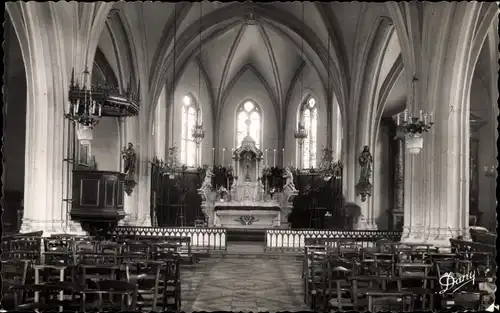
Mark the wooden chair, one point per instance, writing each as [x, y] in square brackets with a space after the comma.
[26, 248]
[51, 297]
[58, 251]
[390, 301]
[464, 300]
[14, 273]
[337, 292]
[90, 274]
[313, 273]
[112, 295]
[415, 278]
[172, 290]
[150, 279]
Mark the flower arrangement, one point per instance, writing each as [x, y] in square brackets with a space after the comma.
[272, 191]
[221, 192]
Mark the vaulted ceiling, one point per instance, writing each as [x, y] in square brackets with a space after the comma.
[264, 37]
[254, 44]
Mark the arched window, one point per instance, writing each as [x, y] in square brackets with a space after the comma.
[188, 152]
[309, 118]
[248, 122]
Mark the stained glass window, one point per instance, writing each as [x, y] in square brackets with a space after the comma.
[188, 151]
[248, 113]
[309, 117]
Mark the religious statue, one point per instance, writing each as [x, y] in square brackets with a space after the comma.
[289, 185]
[364, 187]
[130, 158]
[206, 186]
[247, 174]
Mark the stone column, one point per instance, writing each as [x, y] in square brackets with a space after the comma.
[130, 203]
[442, 56]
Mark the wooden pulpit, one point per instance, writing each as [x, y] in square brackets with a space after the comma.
[97, 200]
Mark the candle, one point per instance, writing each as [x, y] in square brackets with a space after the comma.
[397, 119]
[431, 117]
[420, 115]
[100, 108]
[266, 160]
[274, 157]
[425, 119]
[405, 115]
[283, 161]
[213, 156]
[223, 153]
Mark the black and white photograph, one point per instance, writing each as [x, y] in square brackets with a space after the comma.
[248, 156]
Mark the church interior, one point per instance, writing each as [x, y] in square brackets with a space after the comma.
[246, 156]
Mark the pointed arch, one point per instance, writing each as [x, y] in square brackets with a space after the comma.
[244, 68]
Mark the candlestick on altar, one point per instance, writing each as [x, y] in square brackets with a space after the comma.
[266, 160]
[274, 157]
[213, 156]
[397, 119]
[223, 153]
[283, 156]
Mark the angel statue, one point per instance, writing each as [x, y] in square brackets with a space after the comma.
[206, 186]
[288, 180]
[130, 158]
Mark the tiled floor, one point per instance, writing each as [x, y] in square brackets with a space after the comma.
[242, 285]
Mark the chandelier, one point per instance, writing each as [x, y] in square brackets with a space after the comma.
[301, 134]
[198, 133]
[412, 127]
[88, 103]
[328, 167]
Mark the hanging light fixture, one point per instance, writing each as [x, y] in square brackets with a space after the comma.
[198, 132]
[88, 103]
[301, 132]
[412, 127]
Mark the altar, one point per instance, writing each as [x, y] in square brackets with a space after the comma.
[247, 204]
[254, 215]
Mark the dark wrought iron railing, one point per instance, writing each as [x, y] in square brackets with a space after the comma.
[206, 238]
[297, 239]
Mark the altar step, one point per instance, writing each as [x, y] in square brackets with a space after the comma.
[252, 250]
[246, 235]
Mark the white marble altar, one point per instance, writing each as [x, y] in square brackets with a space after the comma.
[247, 205]
[247, 214]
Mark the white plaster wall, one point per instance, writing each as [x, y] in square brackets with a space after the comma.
[382, 176]
[188, 84]
[248, 87]
[106, 145]
[313, 86]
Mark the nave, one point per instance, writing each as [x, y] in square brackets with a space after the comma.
[82, 273]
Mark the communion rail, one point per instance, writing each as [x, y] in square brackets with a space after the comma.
[295, 239]
[212, 239]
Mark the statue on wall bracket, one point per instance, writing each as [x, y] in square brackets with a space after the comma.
[364, 187]
[129, 156]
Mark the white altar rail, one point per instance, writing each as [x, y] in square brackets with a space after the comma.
[213, 238]
[297, 239]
